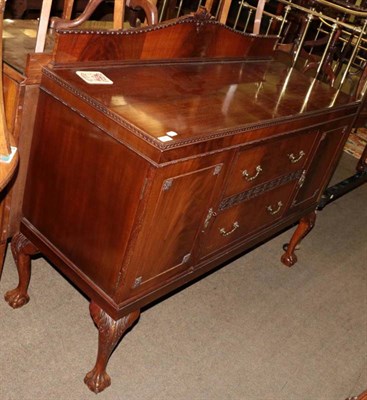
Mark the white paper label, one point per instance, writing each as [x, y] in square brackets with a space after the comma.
[164, 138]
[94, 77]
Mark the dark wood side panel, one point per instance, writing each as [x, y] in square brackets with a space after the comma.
[82, 191]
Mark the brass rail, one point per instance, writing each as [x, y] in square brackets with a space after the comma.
[343, 9]
[321, 15]
[268, 14]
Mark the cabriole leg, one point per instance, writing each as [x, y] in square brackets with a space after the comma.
[110, 332]
[304, 227]
[22, 250]
[2, 256]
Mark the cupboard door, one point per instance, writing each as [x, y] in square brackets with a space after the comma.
[318, 173]
[165, 246]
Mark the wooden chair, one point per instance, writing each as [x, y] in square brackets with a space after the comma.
[8, 153]
[66, 23]
[118, 15]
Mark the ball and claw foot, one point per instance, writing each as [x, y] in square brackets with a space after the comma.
[110, 332]
[288, 259]
[22, 250]
[16, 298]
[97, 381]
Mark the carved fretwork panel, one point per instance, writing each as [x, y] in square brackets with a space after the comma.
[244, 218]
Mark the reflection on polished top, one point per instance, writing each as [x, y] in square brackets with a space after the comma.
[19, 40]
[194, 99]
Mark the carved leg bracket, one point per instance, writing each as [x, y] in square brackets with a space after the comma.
[110, 332]
[22, 250]
[304, 227]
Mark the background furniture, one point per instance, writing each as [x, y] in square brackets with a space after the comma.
[27, 49]
[8, 157]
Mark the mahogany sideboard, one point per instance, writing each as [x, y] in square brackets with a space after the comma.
[160, 153]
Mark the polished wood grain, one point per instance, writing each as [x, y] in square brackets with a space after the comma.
[208, 95]
[123, 170]
[137, 187]
[185, 38]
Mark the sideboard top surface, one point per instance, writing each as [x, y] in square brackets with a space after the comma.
[197, 99]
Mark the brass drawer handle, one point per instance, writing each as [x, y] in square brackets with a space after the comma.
[273, 212]
[293, 159]
[249, 178]
[223, 232]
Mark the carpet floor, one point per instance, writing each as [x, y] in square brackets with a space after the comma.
[253, 330]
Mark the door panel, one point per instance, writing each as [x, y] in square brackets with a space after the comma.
[318, 173]
[181, 206]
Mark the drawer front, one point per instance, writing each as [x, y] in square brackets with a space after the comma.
[238, 221]
[259, 164]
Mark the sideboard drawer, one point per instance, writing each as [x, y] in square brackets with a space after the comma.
[259, 164]
[245, 218]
